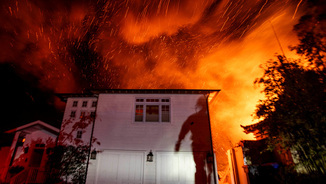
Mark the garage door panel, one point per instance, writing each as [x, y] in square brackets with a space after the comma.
[120, 167]
[175, 168]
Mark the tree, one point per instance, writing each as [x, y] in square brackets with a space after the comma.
[68, 160]
[293, 113]
[68, 163]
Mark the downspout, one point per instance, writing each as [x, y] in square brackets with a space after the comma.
[90, 141]
[211, 138]
[235, 167]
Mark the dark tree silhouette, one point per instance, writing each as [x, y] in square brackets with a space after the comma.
[293, 113]
[68, 160]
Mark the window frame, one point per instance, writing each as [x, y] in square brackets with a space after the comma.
[92, 114]
[79, 134]
[152, 101]
[75, 103]
[85, 103]
[82, 114]
[94, 103]
[72, 114]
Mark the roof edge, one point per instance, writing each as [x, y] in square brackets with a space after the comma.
[38, 122]
[95, 93]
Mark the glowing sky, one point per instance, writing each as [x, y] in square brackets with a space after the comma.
[71, 46]
[77, 45]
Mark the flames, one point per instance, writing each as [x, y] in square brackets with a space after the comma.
[76, 45]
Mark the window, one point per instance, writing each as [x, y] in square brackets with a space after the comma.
[75, 103]
[139, 113]
[165, 113]
[79, 134]
[84, 104]
[152, 100]
[73, 114]
[40, 145]
[94, 103]
[152, 110]
[152, 113]
[93, 114]
[26, 149]
[82, 114]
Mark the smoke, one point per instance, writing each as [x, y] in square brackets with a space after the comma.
[76, 45]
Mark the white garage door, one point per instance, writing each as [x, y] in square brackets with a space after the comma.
[175, 168]
[119, 167]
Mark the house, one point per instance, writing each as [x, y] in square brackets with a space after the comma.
[143, 136]
[251, 162]
[26, 158]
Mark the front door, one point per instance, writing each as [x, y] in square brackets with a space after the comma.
[36, 158]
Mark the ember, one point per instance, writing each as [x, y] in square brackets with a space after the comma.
[77, 45]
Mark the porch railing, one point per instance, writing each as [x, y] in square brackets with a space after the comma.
[20, 177]
[29, 175]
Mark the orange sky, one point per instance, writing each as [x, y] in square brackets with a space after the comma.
[73, 46]
[209, 44]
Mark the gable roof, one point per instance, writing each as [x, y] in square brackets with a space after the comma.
[34, 126]
[95, 93]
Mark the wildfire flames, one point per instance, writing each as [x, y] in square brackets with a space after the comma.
[77, 45]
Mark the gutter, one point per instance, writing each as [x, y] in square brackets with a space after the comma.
[211, 138]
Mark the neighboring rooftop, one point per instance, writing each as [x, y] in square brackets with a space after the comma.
[34, 126]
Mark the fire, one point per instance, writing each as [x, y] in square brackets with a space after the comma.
[70, 46]
[148, 21]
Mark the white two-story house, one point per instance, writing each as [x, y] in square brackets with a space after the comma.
[145, 136]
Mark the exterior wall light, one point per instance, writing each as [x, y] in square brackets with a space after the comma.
[93, 155]
[21, 139]
[150, 156]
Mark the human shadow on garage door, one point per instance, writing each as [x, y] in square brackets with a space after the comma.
[198, 125]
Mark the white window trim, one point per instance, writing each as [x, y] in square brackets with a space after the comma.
[144, 103]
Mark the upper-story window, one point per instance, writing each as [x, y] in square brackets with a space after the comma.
[82, 114]
[73, 114]
[79, 134]
[75, 103]
[152, 110]
[93, 114]
[94, 103]
[84, 104]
